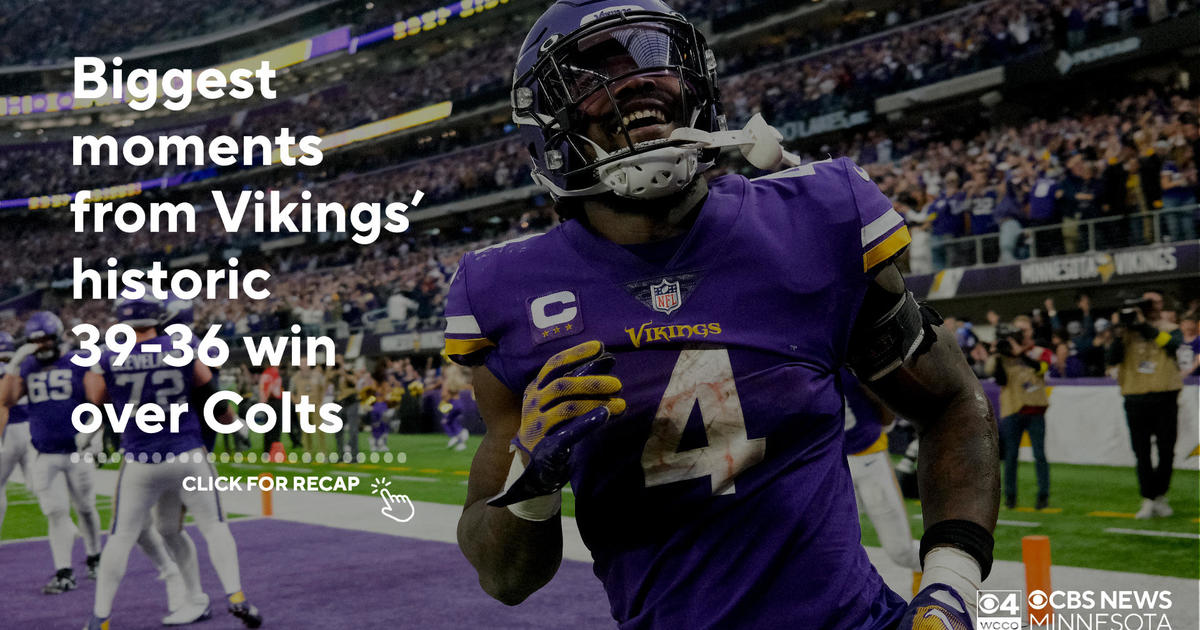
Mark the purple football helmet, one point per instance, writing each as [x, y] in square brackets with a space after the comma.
[179, 311]
[44, 328]
[141, 312]
[601, 85]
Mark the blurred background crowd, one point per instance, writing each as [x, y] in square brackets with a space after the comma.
[1094, 170]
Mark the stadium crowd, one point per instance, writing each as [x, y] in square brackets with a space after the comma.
[49, 32]
[1125, 161]
[1133, 163]
[464, 67]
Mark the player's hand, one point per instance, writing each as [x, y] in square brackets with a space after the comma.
[18, 357]
[936, 607]
[571, 395]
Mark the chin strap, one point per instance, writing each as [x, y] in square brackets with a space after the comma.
[759, 143]
[663, 171]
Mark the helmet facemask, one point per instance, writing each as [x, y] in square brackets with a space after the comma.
[47, 349]
[605, 100]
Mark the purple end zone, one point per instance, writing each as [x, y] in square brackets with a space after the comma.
[309, 576]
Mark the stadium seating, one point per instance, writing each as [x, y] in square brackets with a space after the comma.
[927, 43]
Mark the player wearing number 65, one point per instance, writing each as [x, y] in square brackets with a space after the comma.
[672, 350]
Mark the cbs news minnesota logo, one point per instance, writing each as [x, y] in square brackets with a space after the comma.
[1074, 610]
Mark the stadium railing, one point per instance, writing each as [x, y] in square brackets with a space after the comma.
[1103, 234]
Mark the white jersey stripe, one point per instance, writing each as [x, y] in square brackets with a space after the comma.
[884, 224]
[462, 325]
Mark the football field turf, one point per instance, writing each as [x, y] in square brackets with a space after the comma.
[1090, 522]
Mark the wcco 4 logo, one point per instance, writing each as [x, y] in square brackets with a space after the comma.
[998, 610]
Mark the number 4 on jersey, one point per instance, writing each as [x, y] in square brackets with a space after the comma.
[702, 378]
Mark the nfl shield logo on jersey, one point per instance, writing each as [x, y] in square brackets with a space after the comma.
[665, 297]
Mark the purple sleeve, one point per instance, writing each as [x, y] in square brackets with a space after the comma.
[883, 233]
[466, 343]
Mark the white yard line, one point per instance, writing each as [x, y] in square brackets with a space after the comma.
[1151, 532]
[421, 479]
[1018, 523]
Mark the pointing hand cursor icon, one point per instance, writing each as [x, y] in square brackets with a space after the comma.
[390, 500]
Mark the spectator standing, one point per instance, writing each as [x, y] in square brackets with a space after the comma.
[980, 208]
[1078, 201]
[946, 222]
[1044, 209]
[1113, 202]
[1177, 198]
[920, 253]
[1007, 215]
[1189, 348]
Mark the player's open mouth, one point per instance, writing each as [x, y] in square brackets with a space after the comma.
[644, 121]
[643, 118]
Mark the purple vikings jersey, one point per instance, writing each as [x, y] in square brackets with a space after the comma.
[20, 411]
[981, 208]
[145, 378]
[863, 422]
[52, 391]
[721, 497]
[1042, 199]
[947, 214]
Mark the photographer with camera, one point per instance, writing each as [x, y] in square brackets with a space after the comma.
[1019, 367]
[1143, 351]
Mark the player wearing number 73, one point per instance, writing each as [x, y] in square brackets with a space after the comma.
[672, 350]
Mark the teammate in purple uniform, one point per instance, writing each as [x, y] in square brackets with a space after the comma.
[155, 466]
[53, 385]
[704, 446]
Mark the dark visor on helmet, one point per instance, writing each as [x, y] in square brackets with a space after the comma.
[586, 74]
[584, 66]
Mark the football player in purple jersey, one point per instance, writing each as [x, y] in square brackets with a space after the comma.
[150, 486]
[51, 384]
[672, 349]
